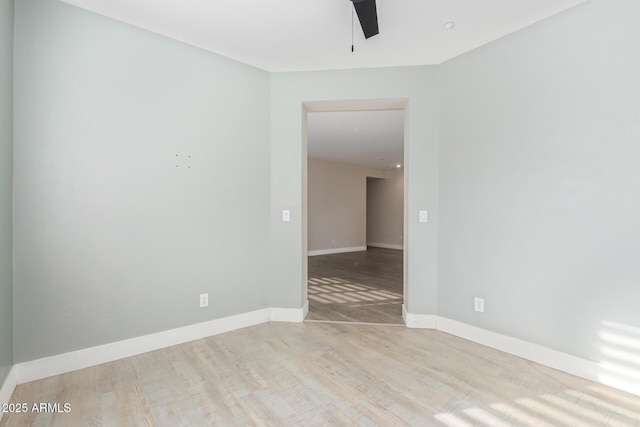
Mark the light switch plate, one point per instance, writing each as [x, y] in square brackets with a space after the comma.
[286, 216]
[204, 300]
[424, 216]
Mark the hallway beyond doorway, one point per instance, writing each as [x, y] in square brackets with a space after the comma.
[363, 286]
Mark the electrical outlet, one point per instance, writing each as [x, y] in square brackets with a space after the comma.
[478, 304]
[204, 300]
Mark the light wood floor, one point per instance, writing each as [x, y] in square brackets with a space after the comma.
[363, 286]
[311, 374]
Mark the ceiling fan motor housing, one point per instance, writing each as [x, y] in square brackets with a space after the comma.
[368, 16]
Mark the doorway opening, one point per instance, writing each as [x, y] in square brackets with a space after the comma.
[354, 210]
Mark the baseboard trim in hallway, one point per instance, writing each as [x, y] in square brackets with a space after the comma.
[385, 246]
[336, 251]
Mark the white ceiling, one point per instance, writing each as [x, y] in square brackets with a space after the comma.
[294, 35]
[357, 137]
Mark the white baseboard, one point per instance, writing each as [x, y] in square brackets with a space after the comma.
[9, 384]
[385, 246]
[63, 363]
[573, 365]
[424, 321]
[289, 314]
[564, 362]
[533, 352]
[42, 368]
[305, 309]
[72, 361]
[336, 250]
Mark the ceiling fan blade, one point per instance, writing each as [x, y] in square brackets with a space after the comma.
[368, 16]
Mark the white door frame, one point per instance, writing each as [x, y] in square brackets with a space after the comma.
[353, 105]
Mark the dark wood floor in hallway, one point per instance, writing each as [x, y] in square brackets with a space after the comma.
[363, 286]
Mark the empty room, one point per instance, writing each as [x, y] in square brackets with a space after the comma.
[155, 218]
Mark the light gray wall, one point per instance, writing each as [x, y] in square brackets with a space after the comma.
[537, 210]
[6, 177]
[288, 92]
[337, 204]
[385, 209]
[539, 178]
[112, 240]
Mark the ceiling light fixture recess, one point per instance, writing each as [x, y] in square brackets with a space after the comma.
[449, 25]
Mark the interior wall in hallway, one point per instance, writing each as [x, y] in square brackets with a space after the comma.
[337, 204]
[385, 210]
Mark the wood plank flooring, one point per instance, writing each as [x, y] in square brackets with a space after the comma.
[363, 286]
[337, 374]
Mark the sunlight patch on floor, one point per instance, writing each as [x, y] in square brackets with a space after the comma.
[548, 410]
[557, 415]
[520, 415]
[604, 405]
[569, 406]
[332, 290]
[485, 418]
[452, 420]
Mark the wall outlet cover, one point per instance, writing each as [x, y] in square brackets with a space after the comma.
[204, 300]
